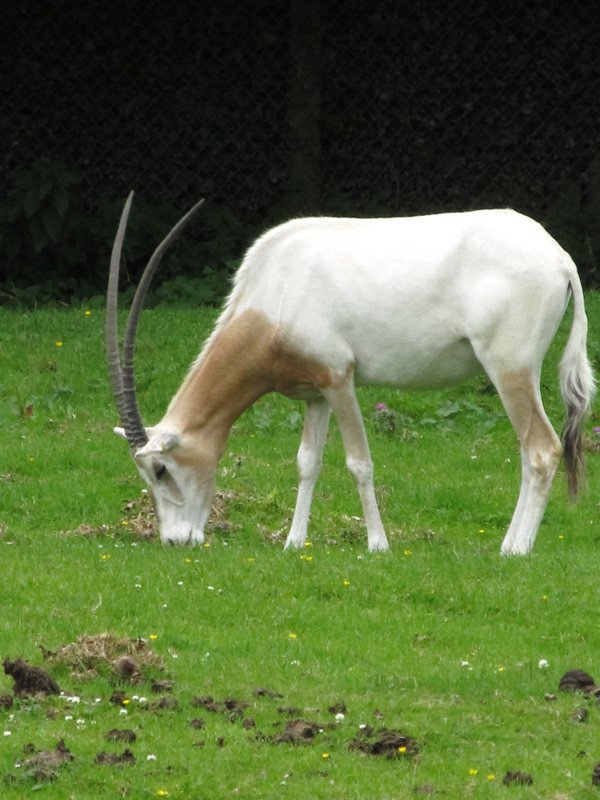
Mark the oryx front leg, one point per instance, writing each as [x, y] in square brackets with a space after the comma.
[540, 455]
[358, 459]
[310, 461]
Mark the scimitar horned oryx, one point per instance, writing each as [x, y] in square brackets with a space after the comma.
[322, 305]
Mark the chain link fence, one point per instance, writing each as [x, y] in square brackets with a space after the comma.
[269, 108]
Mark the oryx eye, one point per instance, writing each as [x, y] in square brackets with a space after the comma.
[160, 471]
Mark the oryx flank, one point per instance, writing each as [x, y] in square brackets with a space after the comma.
[322, 305]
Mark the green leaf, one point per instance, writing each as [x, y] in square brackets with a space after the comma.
[39, 237]
[45, 188]
[31, 202]
[52, 223]
[61, 200]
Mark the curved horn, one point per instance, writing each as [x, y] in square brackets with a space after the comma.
[124, 384]
[112, 336]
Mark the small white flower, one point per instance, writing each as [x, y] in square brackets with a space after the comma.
[464, 663]
[295, 663]
[174, 655]
[11, 718]
[339, 717]
[123, 711]
[143, 700]
[151, 757]
[98, 700]
[210, 588]
[81, 722]
[543, 664]
[164, 605]
[69, 716]
[179, 583]
[362, 727]
[138, 586]
[135, 697]
[8, 733]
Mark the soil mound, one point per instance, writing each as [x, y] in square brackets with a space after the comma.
[297, 731]
[517, 778]
[29, 680]
[45, 764]
[576, 680]
[125, 658]
[390, 743]
[115, 759]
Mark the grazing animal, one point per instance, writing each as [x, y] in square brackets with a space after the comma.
[321, 305]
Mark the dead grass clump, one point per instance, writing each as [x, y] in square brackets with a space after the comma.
[125, 658]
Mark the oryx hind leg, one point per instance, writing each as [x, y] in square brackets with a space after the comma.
[541, 452]
[342, 399]
[310, 461]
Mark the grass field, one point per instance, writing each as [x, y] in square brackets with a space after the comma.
[441, 637]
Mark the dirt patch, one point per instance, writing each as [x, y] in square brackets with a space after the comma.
[338, 708]
[117, 697]
[384, 742]
[45, 764]
[298, 731]
[235, 708]
[29, 680]
[517, 778]
[596, 775]
[115, 759]
[6, 701]
[161, 686]
[126, 658]
[164, 704]
[576, 680]
[196, 723]
[260, 691]
[248, 723]
[580, 715]
[291, 710]
[117, 735]
[427, 788]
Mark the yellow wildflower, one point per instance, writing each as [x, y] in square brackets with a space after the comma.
[472, 772]
[59, 344]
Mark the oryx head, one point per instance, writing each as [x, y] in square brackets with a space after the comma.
[177, 465]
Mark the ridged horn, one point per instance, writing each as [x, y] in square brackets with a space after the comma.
[122, 380]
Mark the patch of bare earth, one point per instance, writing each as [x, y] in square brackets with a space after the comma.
[384, 742]
[298, 731]
[127, 659]
[234, 708]
[45, 764]
[29, 680]
[115, 759]
[139, 519]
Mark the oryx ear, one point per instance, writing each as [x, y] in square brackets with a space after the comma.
[160, 442]
[121, 432]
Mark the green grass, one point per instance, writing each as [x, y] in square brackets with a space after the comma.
[332, 623]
